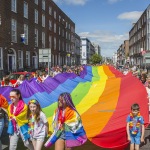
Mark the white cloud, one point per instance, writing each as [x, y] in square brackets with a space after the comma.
[113, 1]
[134, 15]
[71, 2]
[108, 41]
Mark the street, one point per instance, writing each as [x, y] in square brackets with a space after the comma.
[87, 146]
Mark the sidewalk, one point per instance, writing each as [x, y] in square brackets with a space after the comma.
[87, 146]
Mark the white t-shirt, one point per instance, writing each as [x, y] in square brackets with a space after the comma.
[39, 128]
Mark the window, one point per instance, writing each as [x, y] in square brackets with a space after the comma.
[43, 40]
[55, 14]
[26, 33]
[69, 25]
[0, 20]
[62, 32]
[36, 2]
[20, 59]
[50, 25]
[36, 38]
[50, 41]
[59, 18]
[1, 58]
[59, 31]
[27, 58]
[59, 45]
[54, 43]
[63, 45]
[14, 5]
[43, 4]
[36, 16]
[25, 10]
[50, 10]
[43, 20]
[13, 30]
[54, 27]
[66, 35]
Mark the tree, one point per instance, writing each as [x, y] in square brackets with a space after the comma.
[95, 59]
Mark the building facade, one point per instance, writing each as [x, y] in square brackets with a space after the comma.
[87, 50]
[123, 53]
[139, 40]
[77, 49]
[27, 26]
[114, 58]
[97, 49]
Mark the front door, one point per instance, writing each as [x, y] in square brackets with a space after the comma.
[11, 63]
[34, 62]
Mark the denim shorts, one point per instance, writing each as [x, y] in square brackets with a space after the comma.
[62, 136]
[135, 140]
[1, 125]
[39, 139]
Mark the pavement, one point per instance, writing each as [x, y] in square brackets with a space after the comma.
[144, 146]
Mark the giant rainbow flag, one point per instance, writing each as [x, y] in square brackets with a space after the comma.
[102, 95]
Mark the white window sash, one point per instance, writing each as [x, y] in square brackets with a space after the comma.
[1, 58]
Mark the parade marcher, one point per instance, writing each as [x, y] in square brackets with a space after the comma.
[57, 71]
[135, 127]
[148, 94]
[38, 124]
[143, 78]
[45, 76]
[18, 122]
[40, 77]
[67, 124]
[19, 80]
[3, 111]
[6, 82]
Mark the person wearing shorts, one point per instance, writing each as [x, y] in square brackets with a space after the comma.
[135, 127]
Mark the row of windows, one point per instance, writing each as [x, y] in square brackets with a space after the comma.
[14, 9]
[25, 40]
[20, 58]
[14, 5]
[55, 58]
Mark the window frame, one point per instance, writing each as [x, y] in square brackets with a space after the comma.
[14, 6]
[14, 29]
[1, 58]
[26, 34]
[25, 10]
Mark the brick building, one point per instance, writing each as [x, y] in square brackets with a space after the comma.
[27, 26]
[139, 40]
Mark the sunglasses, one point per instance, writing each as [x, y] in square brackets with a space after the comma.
[135, 109]
[12, 97]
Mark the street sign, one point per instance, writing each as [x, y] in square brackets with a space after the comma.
[45, 55]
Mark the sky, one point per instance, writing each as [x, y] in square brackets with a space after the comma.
[104, 22]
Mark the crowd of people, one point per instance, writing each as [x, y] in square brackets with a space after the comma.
[28, 122]
[41, 75]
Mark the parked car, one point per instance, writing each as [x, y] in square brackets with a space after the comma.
[14, 76]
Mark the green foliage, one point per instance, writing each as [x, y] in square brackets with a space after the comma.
[96, 59]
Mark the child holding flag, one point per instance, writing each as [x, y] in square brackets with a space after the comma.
[38, 125]
[135, 127]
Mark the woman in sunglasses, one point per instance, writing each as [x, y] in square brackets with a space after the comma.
[38, 124]
[18, 122]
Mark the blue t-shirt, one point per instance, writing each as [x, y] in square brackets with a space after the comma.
[134, 122]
